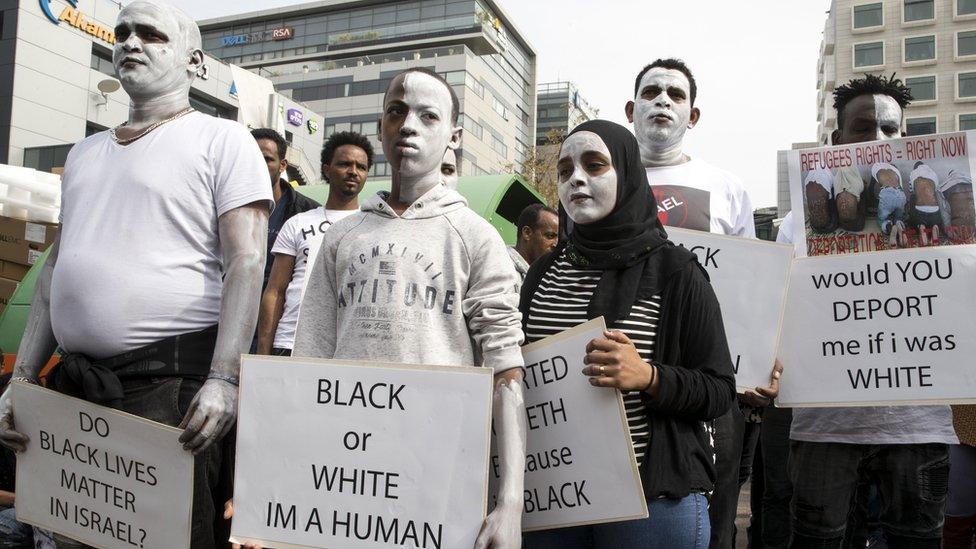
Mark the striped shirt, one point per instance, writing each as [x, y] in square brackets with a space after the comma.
[560, 303]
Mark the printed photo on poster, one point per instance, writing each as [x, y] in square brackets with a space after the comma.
[882, 195]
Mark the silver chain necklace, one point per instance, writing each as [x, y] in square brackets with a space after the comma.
[150, 128]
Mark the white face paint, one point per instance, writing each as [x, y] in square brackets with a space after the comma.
[587, 180]
[889, 115]
[449, 175]
[152, 56]
[662, 114]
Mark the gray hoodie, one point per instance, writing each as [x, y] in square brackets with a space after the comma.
[433, 286]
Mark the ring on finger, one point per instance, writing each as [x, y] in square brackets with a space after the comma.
[602, 370]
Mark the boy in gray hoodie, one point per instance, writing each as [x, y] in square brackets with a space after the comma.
[417, 277]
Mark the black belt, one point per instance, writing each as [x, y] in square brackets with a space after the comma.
[186, 356]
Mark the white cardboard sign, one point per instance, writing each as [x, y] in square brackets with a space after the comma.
[350, 454]
[881, 328]
[580, 464]
[100, 476]
[749, 278]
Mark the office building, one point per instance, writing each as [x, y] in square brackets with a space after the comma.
[58, 86]
[339, 56]
[930, 44]
[561, 108]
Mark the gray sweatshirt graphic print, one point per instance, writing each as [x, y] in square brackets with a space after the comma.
[433, 286]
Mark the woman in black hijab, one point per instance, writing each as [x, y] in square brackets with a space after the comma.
[666, 349]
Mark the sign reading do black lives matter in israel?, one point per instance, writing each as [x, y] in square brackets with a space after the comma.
[348, 454]
[749, 278]
[100, 476]
[580, 466]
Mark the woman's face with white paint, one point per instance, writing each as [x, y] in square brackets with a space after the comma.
[416, 128]
[587, 181]
[151, 54]
[662, 109]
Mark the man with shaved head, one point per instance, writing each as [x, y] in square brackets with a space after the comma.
[163, 222]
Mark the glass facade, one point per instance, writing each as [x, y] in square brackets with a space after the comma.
[920, 48]
[920, 126]
[869, 55]
[919, 10]
[868, 15]
[923, 88]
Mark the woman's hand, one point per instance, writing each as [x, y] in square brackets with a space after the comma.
[764, 396]
[613, 361]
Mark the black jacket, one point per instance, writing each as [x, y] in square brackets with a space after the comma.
[697, 381]
[297, 202]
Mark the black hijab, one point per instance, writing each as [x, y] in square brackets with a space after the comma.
[630, 245]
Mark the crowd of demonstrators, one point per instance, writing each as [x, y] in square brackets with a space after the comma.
[202, 224]
[665, 347]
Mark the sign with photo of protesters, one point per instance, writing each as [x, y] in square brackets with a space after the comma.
[351, 454]
[881, 328]
[882, 195]
[579, 465]
[100, 476]
[749, 278]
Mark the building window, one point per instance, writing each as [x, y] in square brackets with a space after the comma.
[472, 82]
[965, 7]
[919, 10]
[920, 126]
[919, 48]
[380, 169]
[923, 88]
[965, 43]
[868, 16]
[101, 61]
[471, 127]
[499, 147]
[869, 54]
[967, 85]
[967, 122]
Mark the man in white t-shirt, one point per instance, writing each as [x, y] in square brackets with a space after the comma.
[346, 160]
[693, 194]
[163, 221]
[903, 450]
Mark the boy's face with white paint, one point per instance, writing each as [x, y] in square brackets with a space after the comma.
[416, 127]
[869, 118]
[662, 110]
[587, 183]
[449, 175]
[152, 56]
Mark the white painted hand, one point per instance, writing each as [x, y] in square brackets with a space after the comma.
[210, 416]
[8, 436]
[502, 528]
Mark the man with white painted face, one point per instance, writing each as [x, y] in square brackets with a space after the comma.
[441, 279]
[693, 194]
[346, 160]
[901, 449]
[163, 222]
[449, 171]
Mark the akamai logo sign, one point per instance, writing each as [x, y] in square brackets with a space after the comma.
[74, 17]
[46, 8]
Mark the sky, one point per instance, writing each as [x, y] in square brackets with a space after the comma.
[755, 64]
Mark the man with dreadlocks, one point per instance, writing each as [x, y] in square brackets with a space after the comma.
[903, 450]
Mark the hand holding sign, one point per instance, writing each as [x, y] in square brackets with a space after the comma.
[614, 362]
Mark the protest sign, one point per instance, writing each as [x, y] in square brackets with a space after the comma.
[894, 327]
[351, 454]
[844, 198]
[749, 278]
[100, 476]
[579, 466]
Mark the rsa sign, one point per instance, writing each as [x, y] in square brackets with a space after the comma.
[276, 35]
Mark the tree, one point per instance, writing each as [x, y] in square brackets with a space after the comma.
[539, 166]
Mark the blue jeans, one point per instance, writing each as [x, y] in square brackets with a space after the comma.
[671, 524]
[13, 534]
[891, 205]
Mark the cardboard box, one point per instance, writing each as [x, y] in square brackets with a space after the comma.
[13, 271]
[7, 288]
[22, 242]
